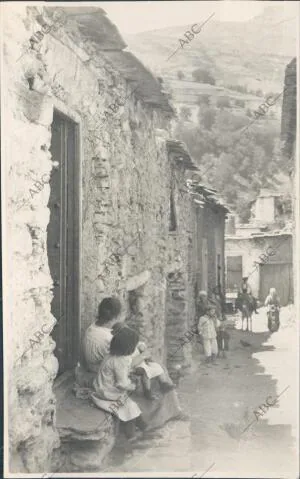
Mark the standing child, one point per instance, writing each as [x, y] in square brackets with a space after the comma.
[112, 386]
[207, 328]
[222, 339]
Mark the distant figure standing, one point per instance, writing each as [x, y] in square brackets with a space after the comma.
[207, 327]
[223, 338]
[273, 306]
[272, 299]
[245, 286]
[202, 304]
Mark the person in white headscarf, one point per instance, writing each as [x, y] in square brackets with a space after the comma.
[272, 299]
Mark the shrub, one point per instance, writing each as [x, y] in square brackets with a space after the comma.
[203, 100]
[185, 113]
[180, 75]
[223, 102]
[208, 118]
[202, 76]
[240, 103]
[239, 88]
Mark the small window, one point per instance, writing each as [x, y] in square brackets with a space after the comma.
[219, 270]
[172, 221]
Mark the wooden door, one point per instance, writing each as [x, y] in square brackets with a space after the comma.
[63, 240]
[277, 276]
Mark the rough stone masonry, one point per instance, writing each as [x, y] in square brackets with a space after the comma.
[130, 189]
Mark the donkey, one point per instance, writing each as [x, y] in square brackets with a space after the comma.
[247, 311]
[246, 308]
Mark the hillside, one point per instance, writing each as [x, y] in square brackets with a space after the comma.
[252, 54]
[241, 64]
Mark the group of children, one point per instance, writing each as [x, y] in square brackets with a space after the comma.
[114, 357]
[113, 360]
[211, 327]
[211, 323]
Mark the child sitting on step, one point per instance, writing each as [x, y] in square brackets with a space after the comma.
[113, 387]
[143, 366]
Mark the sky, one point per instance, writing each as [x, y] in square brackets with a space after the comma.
[135, 17]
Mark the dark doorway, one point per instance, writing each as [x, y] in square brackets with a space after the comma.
[234, 271]
[63, 240]
[279, 276]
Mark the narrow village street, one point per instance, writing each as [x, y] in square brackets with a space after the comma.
[221, 401]
[150, 177]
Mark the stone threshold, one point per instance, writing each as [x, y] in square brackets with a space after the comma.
[87, 434]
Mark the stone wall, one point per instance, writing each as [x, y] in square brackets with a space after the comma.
[125, 199]
[180, 304]
[189, 276]
[30, 362]
[131, 189]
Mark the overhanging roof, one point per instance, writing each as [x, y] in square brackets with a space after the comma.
[181, 154]
[207, 195]
[95, 33]
[94, 26]
[255, 236]
[147, 86]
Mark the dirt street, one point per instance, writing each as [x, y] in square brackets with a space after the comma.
[227, 435]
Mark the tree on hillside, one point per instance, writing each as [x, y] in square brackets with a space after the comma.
[203, 99]
[237, 163]
[207, 118]
[223, 102]
[185, 113]
[240, 103]
[203, 76]
[239, 88]
[180, 75]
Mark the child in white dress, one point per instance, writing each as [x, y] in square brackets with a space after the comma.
[112, 386]
[207, 328]
[143, 366]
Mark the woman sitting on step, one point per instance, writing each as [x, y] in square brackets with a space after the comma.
[96, 346]
[96, 341]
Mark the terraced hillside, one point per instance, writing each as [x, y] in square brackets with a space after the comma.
[251, 54]
[241, 64]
